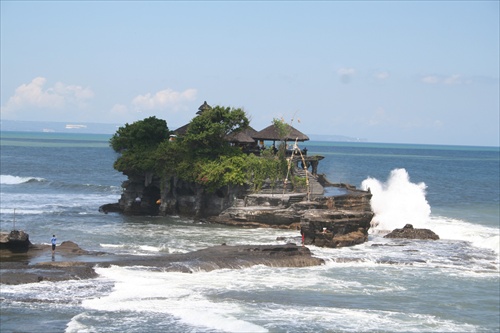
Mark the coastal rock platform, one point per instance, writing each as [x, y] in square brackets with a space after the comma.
[71, 262]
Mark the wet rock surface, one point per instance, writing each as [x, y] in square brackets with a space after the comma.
[411, 233]
[71, 262]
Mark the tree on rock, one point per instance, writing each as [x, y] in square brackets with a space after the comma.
[206, 134]
[137, 144]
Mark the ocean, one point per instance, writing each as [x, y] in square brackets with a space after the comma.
[54, 183]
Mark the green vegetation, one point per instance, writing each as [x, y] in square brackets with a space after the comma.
[205, 136]
[283, 130]
[137, 144]
[202, 155]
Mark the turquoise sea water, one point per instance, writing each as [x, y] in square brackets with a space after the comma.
[54, 183]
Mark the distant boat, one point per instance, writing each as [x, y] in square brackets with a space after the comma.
[70, 126]
[48, 130]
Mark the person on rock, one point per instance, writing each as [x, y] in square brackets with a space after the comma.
[53, 242]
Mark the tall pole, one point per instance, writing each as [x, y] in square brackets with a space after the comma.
[14, 219]
[296, 147]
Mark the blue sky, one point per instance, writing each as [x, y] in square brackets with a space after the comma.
[399, 72]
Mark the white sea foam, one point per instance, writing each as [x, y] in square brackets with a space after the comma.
[21, 211]
[14, 180]
[112, 246]
[63, 292]
[175, 294]
[137, 249]
[356, 320]
[75, 325]
[478, 235]
[148, 248]
[50, 203]
[194, 300]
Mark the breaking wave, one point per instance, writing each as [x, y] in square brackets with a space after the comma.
[398, 202]
[14, 180]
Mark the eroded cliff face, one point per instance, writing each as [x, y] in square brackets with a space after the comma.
[151, 195]
[326, 221]
[183, 198]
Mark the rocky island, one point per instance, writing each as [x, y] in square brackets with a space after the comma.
[284, 189]
[226, 177]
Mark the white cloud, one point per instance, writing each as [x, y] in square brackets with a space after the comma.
[346, 71]
[446, 80]
[36, 101]
[35, 95]
[119, 110]
[430, 79]
[74, 94]
[379, 116]
[454, 79]
[383, 75]
[162, 99]
[437, 123]
[346, 74]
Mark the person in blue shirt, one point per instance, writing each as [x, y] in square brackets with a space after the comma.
[53, 241]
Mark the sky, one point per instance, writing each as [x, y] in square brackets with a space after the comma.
[424, 72]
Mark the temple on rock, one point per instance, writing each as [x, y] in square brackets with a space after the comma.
[341, 217]
[252, 141]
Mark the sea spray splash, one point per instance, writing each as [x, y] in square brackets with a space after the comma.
[397, 202]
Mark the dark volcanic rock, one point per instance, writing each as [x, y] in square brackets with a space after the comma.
[409, 232]
[334, 228]
[110, 208]
[223, 256]
[149, 194]
[15, 241]
[72, 262]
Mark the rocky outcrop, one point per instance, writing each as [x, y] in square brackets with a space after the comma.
[335, 221]
[411, 233]
[229, 257]
[69, 264]
[327, 228]
[15, 241]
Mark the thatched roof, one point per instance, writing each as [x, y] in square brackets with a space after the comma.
[270, 133]
[181, 130]
[249, 135]
[244, 136]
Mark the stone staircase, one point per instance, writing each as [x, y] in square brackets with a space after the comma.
[296, 199]
[316, 188]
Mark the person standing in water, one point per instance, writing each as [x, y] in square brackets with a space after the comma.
[53, 242]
